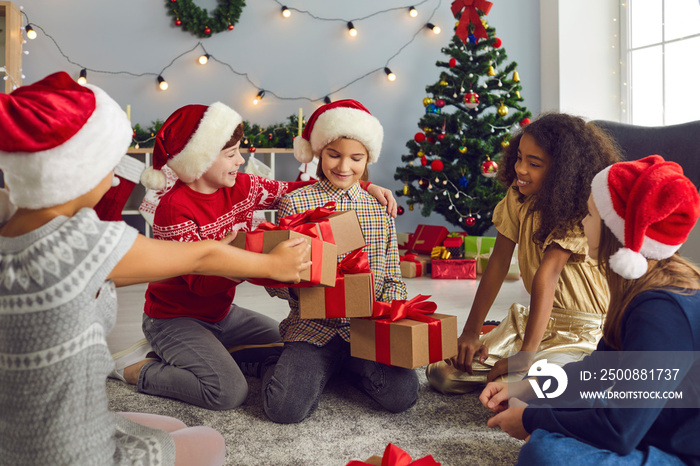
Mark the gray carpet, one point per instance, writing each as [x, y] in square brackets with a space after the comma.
[347, 425]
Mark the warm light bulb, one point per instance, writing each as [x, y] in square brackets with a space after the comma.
[389, 75]
[204, 59]
[258, 97]
[433, 28]
[412, 12]
[31, 33]
[351, 29]
[162, 83]
[285, 12]
[83, 77]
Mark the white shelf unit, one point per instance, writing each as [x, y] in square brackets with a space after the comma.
[131, 212]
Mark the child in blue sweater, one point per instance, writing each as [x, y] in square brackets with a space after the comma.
[640, 213]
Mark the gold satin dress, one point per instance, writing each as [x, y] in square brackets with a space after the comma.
[581, 299]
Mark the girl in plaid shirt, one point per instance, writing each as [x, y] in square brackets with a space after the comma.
[346, 138]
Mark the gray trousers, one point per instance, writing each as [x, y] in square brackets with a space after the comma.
[195, 365]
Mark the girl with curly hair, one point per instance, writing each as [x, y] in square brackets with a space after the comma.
[548, 167]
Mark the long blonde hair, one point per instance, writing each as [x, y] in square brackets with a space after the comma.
[675, 272]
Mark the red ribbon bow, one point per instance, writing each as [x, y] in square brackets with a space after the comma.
[395, 456]
[313, 217]
[470, 15]
[416, 309]
[355, 262]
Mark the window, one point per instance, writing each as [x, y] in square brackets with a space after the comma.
[662, 57]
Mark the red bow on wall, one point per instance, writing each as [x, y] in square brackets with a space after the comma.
[470, 15]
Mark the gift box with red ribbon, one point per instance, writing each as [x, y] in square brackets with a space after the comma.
[395, 456]
[454, 244]
[426, 237]
[323, 255]
[453, 268]
[414, 265]
[341, 228]
[404, 333]
[403, 240]
[352, 295]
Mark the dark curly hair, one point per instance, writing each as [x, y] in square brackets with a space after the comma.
[578, 151]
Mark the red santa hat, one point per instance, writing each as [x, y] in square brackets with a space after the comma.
[650, 207]
[59, 140]
[189, 142]
[343, 118]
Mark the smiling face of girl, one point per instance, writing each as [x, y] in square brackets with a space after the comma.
[343, 162]
[531, 166]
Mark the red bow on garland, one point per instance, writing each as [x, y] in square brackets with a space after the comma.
[394, 456]
[470, 15]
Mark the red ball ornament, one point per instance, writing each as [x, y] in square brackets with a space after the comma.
[419, 137]
[441, 137]
[469, 221]
[436, 165]
[399, 210]
[439, 103]
[423, 183]
[424, 161]
[431, 140]
[207, 31]
[453, 62]
[178, 22]
[230, 27]
[524, 122]
[471, 99]
[251, 149]
[173, 1]
[497, 43]
[489, 168]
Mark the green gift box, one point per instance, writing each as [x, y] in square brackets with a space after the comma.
[479, 248]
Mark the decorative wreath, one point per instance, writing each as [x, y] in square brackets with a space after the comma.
[192, 18]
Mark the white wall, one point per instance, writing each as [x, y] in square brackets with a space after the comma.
[580, 46]
[295, 57]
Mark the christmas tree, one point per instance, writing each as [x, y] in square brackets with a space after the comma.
[469, 115]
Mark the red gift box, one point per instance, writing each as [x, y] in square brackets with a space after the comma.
[405, 334]
[395, 456]
[352, 295]
[453, 268]
[426, 237]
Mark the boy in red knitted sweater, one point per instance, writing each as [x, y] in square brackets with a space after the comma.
[191, 321]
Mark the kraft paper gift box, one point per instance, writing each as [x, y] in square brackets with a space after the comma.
[414, 265]
[352, 295]
[426, 237]
[403, 240]
[453, 268]
[395, 456]
[479, 248]
[410, 337]
[323, 255]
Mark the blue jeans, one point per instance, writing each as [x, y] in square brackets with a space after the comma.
[547, 448]
[195, 365]
[291, 388]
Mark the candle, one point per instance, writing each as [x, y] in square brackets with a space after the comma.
[128, 112]
[300, 120]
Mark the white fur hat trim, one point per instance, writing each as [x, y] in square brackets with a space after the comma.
[350, 123]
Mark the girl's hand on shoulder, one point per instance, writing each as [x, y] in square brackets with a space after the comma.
[511, 420]
[289, 260]
[385, 197]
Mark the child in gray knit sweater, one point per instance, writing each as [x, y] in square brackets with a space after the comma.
[59, 265]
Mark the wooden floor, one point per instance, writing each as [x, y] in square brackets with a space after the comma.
[452, 297]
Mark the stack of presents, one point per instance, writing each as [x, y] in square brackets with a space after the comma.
[433, 251]
[404, 333]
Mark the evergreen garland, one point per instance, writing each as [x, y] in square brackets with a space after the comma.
[192, 18]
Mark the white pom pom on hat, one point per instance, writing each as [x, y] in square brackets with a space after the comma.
[189, 142]
[342, 118]
[650, 207]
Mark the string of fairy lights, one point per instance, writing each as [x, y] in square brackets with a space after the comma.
[287, 12]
